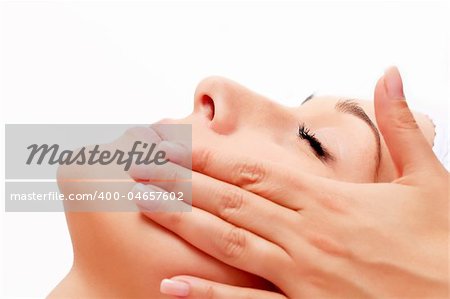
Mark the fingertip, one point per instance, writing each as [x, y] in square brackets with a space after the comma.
[396, 122]
[393, 83]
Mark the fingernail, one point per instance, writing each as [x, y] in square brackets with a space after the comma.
[175, 152]
[393, 83]
[174, 287]
[142, 197]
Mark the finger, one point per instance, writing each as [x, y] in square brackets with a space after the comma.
[224, 241]
[240, 207]
[404, 139]
[305, 190]
[169, 139]
[265, 178]
[231, 203]
[222, 167]
[245, 209]
[155, 199]
[178, 137]
[169, 176]
[177, 153]
[196, 288]
[167, 172]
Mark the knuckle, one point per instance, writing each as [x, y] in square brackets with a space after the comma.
[232, 243]
[231, 202]
[334, 201]
[404, 118]
[210, 292]
[170, 177]
[249, 173]
[201, 159]
[174, 218]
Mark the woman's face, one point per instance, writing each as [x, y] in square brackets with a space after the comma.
[327, 136]
[324, 136]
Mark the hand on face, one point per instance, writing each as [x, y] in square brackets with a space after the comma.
[315, 237]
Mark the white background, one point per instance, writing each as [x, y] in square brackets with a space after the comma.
[136, 62]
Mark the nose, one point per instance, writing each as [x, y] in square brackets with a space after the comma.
[226, 105]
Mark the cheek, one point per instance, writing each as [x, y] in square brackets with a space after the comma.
[287, 153]
[144, 252]
[281, 149]
[353, 146]
[357, 161]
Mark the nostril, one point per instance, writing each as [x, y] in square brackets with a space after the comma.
[208, 106]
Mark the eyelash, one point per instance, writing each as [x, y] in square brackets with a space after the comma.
[305, 134]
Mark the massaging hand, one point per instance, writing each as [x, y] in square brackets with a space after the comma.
[318, 238]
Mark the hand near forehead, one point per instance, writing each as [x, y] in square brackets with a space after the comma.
[314, 237]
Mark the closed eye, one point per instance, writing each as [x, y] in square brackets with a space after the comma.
[319, 150]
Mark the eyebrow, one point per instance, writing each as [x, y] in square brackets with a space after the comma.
[353, 108]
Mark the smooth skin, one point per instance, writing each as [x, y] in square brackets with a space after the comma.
[126, 255]
[319, 237]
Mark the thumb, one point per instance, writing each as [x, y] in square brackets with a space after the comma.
[407, 145]
[193, 287]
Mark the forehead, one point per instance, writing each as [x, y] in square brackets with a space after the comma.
[326, 104]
